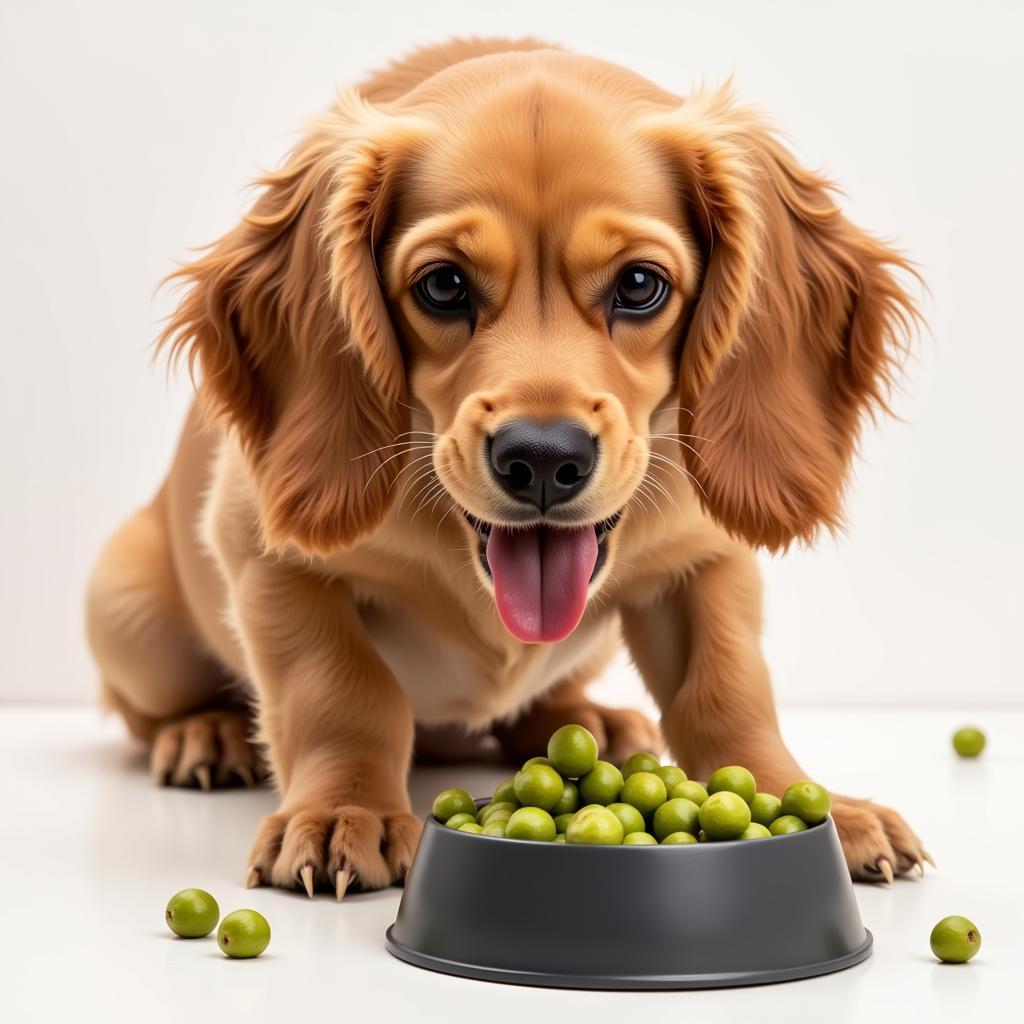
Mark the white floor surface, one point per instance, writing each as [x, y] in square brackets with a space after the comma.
[90, 851]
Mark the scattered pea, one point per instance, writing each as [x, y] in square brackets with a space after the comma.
[954, 940]
[243, 934]
[495, 828]
[968, 741]
[456, 821]
[733, 779]
[192, 913]
[572, 751]
[755, 830]
[471, 826]
[786, 825]
[497, 809]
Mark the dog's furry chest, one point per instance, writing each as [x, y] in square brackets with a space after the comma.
[447, 680]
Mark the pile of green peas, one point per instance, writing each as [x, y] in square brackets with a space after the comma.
[570, 796]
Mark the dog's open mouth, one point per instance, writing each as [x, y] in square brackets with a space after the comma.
[541, 573]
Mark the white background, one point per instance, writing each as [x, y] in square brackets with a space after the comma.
[127, 133]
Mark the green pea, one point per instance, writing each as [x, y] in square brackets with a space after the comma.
[453, 801]
[807, 800]
[596, 826]
[471, 826]
[505, 793]
[499, 818]
[954, 940]
[629, 817]
[572, 750]
[495, 828]
[537, 760]
[755, 830]
[644, 790]
[968, 742]
[562, 821]
[568, 802]
[560, 838]
[765, 808]
[639, 762]
[689, 790]
[639, 839]
[724, 815]
[678, 839]
[492, 809]
[458, 820]
[481, 815]
[733, 779]
[539, 785]
[602, 784]
[676, 815]
[243, 934]
[671, 775]
[192, 913]
[786, 825]
[531, 823]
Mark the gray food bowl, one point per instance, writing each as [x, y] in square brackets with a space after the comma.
[629, 917]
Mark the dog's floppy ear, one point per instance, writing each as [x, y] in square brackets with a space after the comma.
[286, 322]
[796, 329]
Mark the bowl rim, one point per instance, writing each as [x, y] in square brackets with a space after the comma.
[540, 844]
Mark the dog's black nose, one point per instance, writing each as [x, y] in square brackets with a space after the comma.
[543, 463]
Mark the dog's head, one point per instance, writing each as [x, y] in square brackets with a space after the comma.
[540, 252]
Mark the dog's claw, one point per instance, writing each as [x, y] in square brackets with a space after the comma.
[883, 865]
[306, 874]
[928, 857]
[244, 772]
[202, 773]
[341, 880]
[252, 878]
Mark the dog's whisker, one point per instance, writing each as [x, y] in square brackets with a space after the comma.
[679, 468]
[675, 440]
[390, 458]
[431, 491]
[405, 445]
[414, 463]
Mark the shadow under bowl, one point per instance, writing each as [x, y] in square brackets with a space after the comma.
[629, 917]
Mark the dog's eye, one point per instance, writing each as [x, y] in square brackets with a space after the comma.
[640, 290]
[443, 290]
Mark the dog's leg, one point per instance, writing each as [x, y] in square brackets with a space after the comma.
[619, 731]
[171, 693]
[698, 649]
[339, 733]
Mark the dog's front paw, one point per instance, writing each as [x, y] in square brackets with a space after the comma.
[347, 848]
[877, 842]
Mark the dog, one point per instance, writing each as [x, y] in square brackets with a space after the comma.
[516, 357]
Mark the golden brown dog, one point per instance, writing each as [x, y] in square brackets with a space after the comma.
[517, 355]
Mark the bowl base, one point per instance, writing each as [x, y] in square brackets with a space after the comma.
[634, 982]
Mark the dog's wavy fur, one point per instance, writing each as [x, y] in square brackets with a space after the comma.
[285, 563]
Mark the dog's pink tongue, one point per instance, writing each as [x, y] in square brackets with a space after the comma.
[541, 577]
